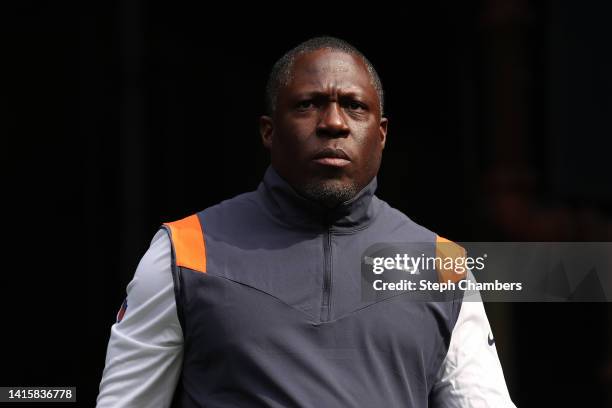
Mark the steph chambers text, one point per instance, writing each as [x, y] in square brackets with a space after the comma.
[426, 285]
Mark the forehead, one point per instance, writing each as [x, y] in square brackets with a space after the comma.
[321, 69]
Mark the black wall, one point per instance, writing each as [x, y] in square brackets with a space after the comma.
[118, 116]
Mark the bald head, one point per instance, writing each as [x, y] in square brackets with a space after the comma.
[282, 70]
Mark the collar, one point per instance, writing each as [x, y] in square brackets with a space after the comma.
[285, 204]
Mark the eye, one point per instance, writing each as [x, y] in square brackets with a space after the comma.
[305, 104]
[355, 106]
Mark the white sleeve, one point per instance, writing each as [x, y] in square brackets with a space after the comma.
[145, 349]
[471, 375]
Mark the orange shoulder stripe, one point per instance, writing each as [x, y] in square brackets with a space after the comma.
[448, 249]
[188, 242]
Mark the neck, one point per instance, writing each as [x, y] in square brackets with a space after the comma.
[298, 208]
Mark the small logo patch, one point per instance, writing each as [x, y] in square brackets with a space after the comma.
[122, 310]
[490, 339]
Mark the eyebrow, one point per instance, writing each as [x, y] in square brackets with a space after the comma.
[322, 94]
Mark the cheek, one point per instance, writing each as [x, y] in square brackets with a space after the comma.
[293, 135]
[370, 152]
[367, 138]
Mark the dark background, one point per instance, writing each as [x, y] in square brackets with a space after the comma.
[121, 115]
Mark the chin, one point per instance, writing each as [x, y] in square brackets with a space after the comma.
[330, 192]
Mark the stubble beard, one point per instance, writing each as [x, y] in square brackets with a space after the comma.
[329, 193]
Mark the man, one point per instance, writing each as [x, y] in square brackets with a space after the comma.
[256, 302]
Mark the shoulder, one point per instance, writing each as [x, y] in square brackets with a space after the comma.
[231, 213]
[399, 226]
[237, 206]
[153, 272]
[227, 220]
[240, 202]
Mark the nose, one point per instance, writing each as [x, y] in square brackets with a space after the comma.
[332, 122]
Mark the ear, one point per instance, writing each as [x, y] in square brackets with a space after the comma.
[384, 123]
[266, 130]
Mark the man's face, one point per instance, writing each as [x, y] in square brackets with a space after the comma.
[326, 135]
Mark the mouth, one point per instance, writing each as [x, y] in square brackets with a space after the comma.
[332, 157]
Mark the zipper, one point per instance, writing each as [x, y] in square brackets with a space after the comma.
[327, 277]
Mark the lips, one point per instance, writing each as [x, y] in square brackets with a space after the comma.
[332, 157]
